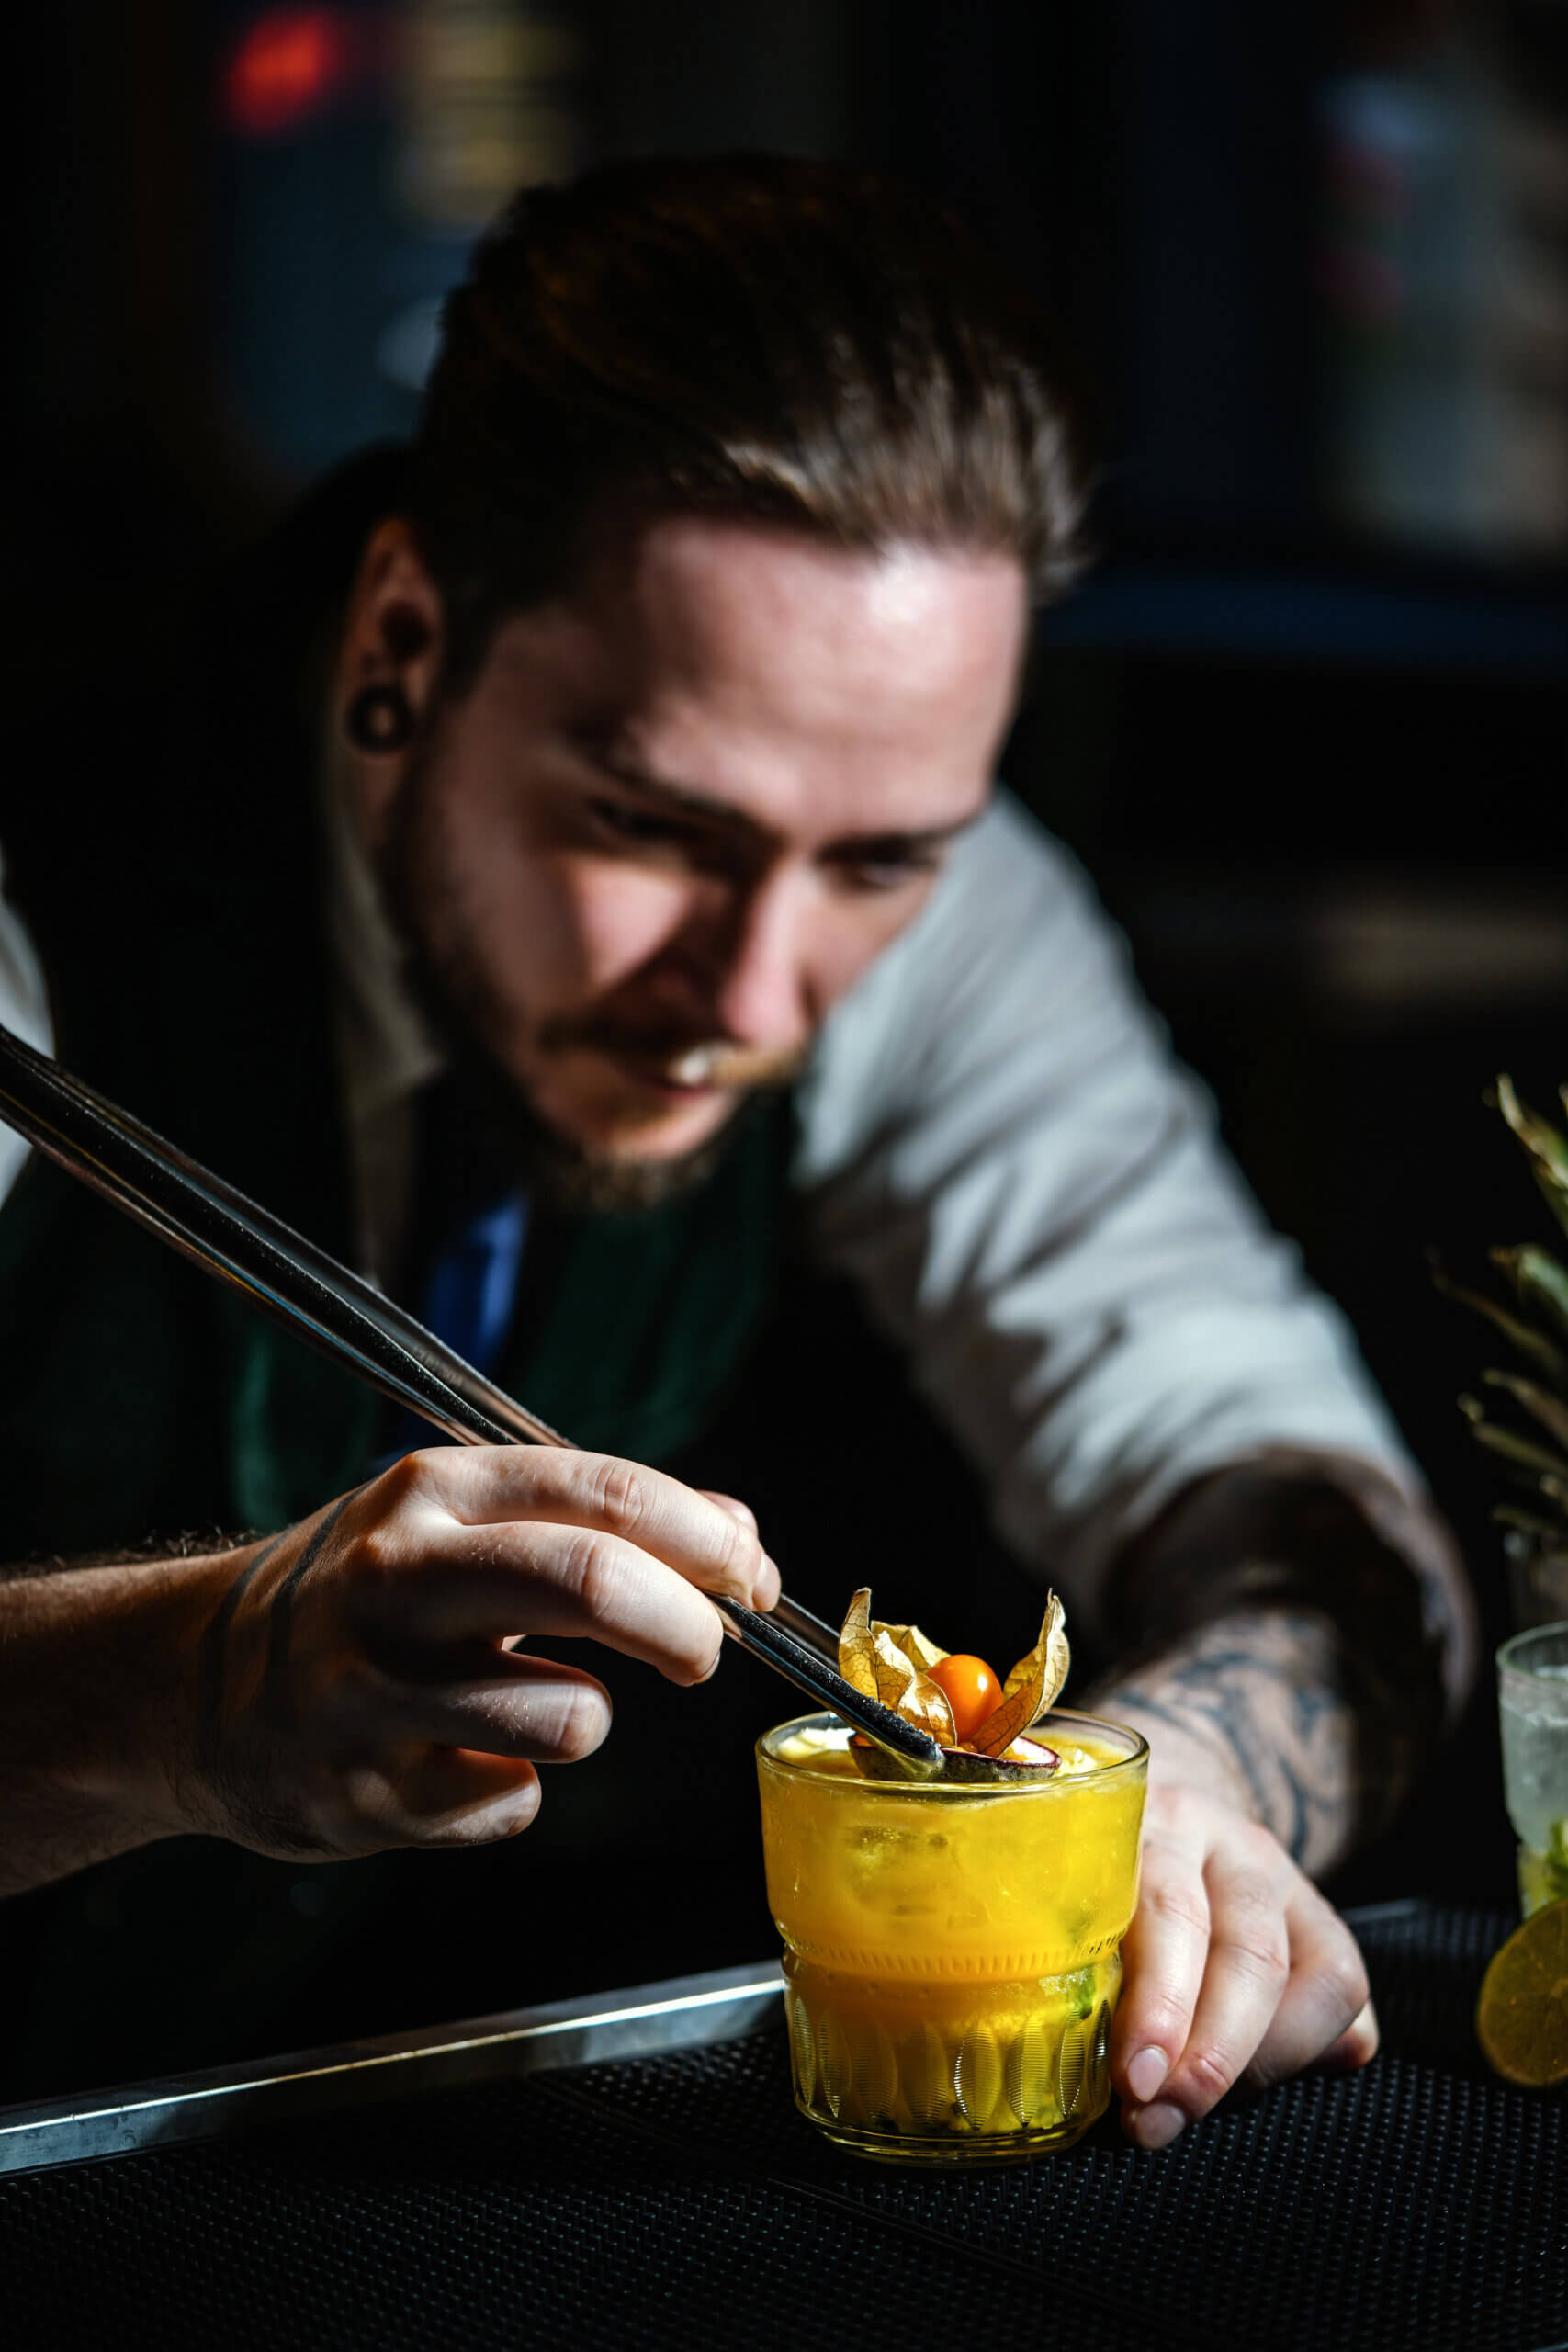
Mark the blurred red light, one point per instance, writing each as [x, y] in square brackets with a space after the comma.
[286, 65]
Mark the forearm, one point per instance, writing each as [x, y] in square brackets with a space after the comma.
[1299, 1631]
[99, 1686]
[1257, 1709]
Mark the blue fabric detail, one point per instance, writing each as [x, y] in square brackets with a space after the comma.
[468, 1302]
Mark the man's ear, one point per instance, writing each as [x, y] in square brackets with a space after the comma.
[393, 630]
[393, 637]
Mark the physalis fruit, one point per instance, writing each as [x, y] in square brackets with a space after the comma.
[956, 1697]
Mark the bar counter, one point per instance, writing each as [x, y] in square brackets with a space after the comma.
[630, 2170]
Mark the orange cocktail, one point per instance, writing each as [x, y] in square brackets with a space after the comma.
[952, 1953]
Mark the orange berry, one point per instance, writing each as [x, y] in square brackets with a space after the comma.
[972, 1691]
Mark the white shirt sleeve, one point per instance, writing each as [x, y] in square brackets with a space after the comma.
[23, 1008]
[1000, 1149]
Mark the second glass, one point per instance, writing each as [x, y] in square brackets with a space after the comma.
[1532, 1706]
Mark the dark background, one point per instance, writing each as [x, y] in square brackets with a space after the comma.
[1304, 723]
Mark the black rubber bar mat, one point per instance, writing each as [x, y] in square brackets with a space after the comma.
[680, 2201]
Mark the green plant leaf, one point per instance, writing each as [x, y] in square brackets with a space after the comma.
[1548, 1150]
[1521, 1451]
[1551, 1412]
[1555, 1194]
[1540, 1137]
[1537, 1350]
[1545, 1531]
[1540, 1282]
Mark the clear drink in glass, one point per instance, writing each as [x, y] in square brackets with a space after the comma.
[1532, 1702]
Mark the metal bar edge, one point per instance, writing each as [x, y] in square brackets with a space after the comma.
[682, 2013]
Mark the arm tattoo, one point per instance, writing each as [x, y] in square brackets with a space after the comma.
[1308, 1627]
[1266, 1695]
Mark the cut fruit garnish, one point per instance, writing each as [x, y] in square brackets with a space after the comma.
[1521, 2017]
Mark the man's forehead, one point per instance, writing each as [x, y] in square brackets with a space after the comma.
[744, 580]
[751, 610]
[814, 691]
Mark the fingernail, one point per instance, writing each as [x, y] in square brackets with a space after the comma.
[1146, 2073]
[1157, 2126]
[1356, 2047]
[767, 1585]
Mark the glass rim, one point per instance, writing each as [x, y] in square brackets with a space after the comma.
[950, 1792]
[1509, 1664]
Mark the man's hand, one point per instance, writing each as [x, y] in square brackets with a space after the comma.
[1238, 1971]
[355, 1682]
[1302, 1621]
[360, 1684]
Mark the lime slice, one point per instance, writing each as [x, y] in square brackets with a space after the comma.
[1521, 2017]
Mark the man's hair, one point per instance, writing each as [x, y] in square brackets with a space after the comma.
[765, 340]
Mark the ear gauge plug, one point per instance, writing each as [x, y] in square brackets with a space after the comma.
[379, 719]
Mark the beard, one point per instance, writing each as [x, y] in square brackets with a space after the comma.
[459, 999]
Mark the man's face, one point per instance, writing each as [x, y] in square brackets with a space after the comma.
[682, 808]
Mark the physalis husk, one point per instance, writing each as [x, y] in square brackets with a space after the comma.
[875, 1660]
[1032, 1688]
[892, 1663]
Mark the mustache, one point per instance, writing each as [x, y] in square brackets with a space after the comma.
[678, 1056]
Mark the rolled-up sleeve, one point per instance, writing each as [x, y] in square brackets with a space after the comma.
[1000, 1149]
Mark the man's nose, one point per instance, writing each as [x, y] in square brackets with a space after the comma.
[757, 968]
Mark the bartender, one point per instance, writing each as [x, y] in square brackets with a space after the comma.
[578, 870]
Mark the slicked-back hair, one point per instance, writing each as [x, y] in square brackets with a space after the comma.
[754, 337]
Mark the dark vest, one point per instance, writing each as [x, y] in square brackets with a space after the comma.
[170, 866]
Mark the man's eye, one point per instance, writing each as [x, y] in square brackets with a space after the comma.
[893, 870]
[629, 824]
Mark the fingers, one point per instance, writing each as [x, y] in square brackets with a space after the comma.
[437, 1796]
[359, 1682]
[733, 1505]
[1238, 1971]
[495, 1542]
[527, 1707]
[1325, 2008]
[1356, 2046]
[712, 1543]
[449, 1763]
[1163, 1955]
[1246, 1972]
[565, 1581]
